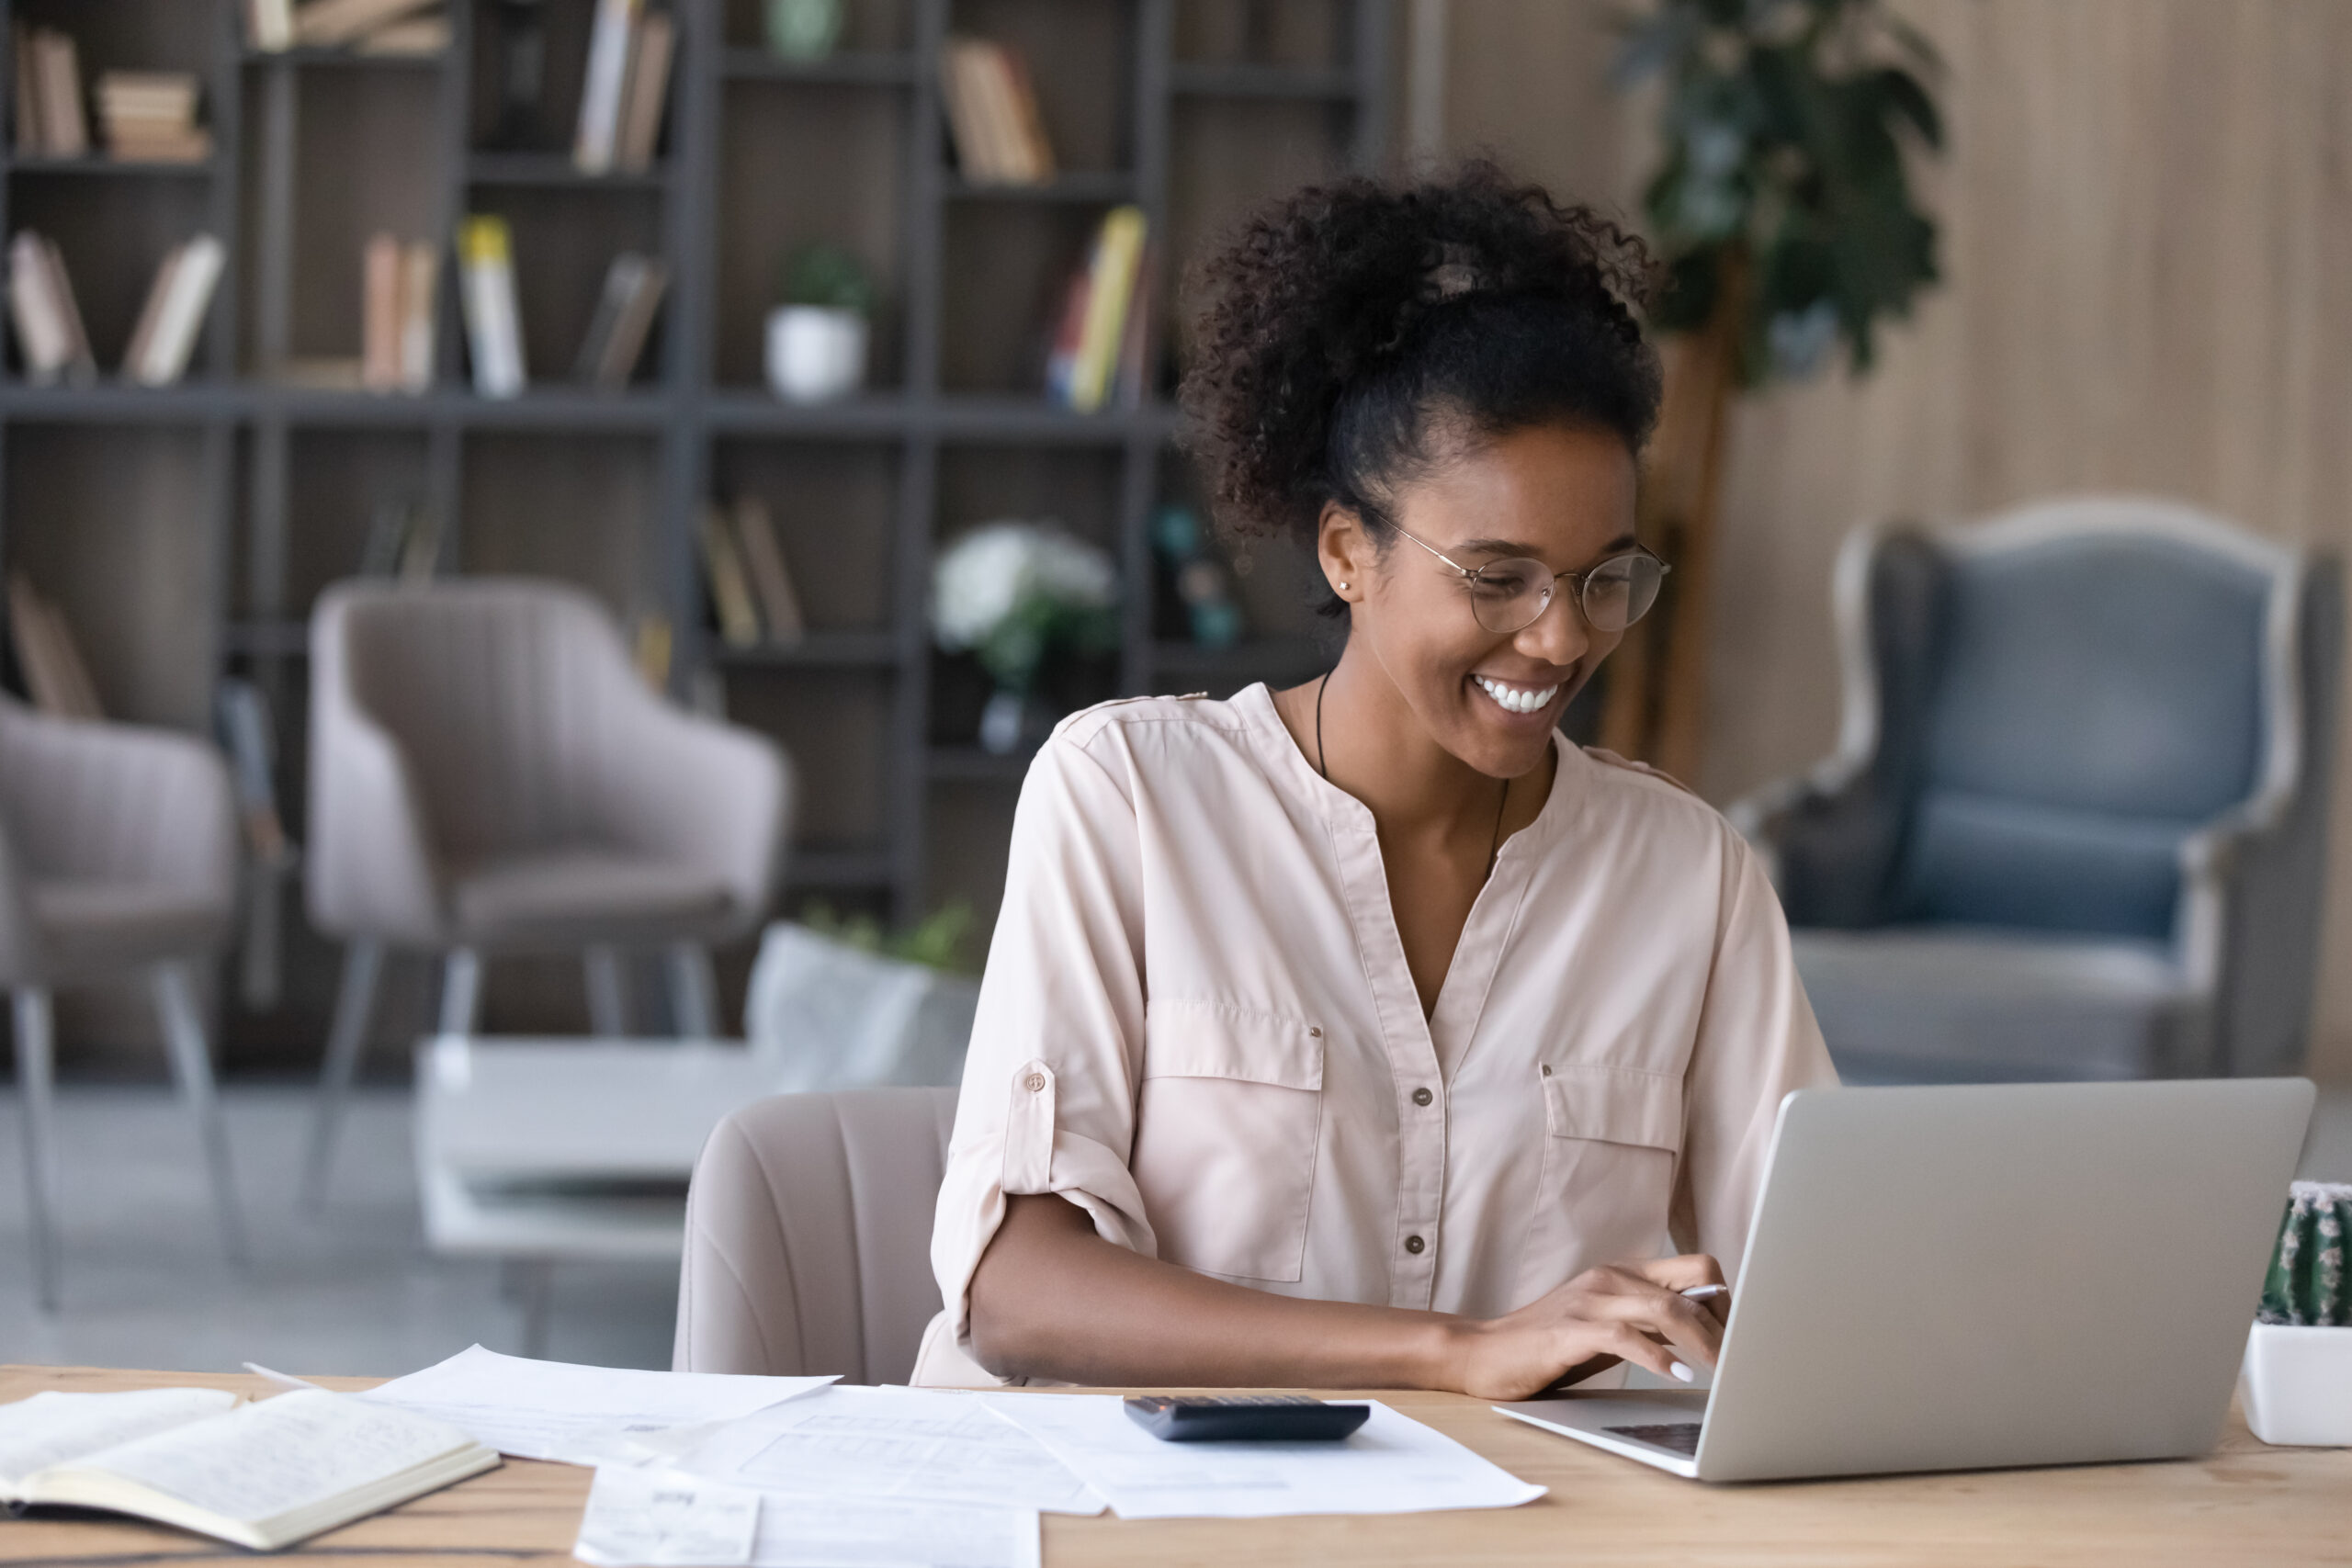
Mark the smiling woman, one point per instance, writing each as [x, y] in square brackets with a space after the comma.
[1367, 1034]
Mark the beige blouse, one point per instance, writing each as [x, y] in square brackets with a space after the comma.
[1197, 1024]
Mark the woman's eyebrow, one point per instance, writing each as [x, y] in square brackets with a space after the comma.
[1622, 542]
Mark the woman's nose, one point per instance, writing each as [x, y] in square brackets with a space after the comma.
[1559, 635]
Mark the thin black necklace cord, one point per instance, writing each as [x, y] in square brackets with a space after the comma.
[1494, 844]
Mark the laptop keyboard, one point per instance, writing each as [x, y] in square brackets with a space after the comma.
[1676, 1437]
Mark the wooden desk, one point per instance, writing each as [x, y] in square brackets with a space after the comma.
[2243, 1503]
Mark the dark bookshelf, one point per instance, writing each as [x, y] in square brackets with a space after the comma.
[261, 480]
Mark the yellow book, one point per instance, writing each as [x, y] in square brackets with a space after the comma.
[1110, 292]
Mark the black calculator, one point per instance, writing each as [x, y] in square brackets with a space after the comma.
[1244, 1419]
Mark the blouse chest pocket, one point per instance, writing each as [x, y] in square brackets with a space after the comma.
[1227, 1122]
[1613, 1135]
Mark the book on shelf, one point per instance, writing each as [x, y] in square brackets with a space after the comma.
[47, 655]
[634, 286]
[150, 116]
[403, 541]
[166, 337]
[262, 1476]
[269, 23]
[992, 114]
[410, 36]
[602, 96]
[762, 557]
[486, 290]
[51, 119]
[397, 320]
[647, 92]
[1093, 328]
[241, 714]
[329, 24]
[379, 314]
[730, 591]
[47, 320]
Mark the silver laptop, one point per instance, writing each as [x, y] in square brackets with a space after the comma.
[1962, 1278]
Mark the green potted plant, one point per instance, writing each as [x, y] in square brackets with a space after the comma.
[818, 333]
[2297, 1383]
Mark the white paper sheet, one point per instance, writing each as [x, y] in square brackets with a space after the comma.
[847, 1532]
[918, 1445]
[578, 1414]
[1392, 1465]
[52, 1428]
[660, 1518]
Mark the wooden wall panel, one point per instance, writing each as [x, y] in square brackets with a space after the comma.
[2147, 208]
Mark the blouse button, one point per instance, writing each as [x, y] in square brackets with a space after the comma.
[1414, 1245]
[1034, 1083]
[1547, 1072]
[1422, 1097]
[1314, 1033]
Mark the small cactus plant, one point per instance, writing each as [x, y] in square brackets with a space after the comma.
[2305, 1286]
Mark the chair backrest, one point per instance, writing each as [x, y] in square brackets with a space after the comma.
[2093, 680]
[502, 694]
[808, 1236]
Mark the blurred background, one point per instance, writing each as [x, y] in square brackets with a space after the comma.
[810, 364]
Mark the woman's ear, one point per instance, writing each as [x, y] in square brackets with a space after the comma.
[1343, 551]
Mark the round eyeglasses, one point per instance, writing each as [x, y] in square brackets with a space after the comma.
[1509, 596]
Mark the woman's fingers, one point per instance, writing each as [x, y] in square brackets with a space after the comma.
[1628, 1343]
[1668, 1314]
[1679, 1273]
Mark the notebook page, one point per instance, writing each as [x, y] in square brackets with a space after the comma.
[294, 1451]
[52, 1428]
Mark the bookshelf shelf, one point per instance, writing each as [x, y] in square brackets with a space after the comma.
[1083, 186]
[192, 168]
[849, 68]
[556, 169]
[258, 489]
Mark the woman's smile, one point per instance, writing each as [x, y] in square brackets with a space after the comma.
[1523, 704]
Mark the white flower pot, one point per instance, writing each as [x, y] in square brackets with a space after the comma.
[814, 353]
[2296, 1385]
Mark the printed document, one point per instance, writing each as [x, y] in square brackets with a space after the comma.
[656, 1518]
[1392, 1465]
[573, 1413]
[914, 1445]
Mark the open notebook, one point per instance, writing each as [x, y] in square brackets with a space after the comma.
[262, 1476]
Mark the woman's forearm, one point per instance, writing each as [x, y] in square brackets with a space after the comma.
[1051, 1299]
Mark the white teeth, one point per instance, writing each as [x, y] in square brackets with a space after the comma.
[1513, 697]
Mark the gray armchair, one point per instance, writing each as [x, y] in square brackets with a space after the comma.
[489, 774]
[119, 856]
[2075, 825]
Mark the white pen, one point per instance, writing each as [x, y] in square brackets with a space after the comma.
[1697, 1293]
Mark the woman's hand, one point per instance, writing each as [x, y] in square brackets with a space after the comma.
[1620, 1312]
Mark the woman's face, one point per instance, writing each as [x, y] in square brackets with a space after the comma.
[1557, 493]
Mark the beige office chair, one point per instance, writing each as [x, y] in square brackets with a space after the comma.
[489, 774]
[119, 854]
[808, 1236]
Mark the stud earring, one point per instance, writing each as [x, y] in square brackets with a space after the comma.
[1343, 585]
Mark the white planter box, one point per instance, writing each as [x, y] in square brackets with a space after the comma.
[2296, 1385]
[814, 353]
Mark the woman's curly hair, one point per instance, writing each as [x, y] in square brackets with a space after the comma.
[1354, 333]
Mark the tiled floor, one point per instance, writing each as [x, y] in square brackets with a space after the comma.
[145, 1285]
[355, 1291]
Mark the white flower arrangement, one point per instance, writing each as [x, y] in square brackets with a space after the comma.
[1012, 591]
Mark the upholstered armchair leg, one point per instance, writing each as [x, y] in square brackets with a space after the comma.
[192, 1066]
[35, 1084]
[694, 992]
[362, 961]
[461, 991]
[607, 980]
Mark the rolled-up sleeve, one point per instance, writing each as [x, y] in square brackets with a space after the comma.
[1048, 1100]
[1756, 1041]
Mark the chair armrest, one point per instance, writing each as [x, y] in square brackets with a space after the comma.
[1762, 817]
[714, 796]
[119, 803]
[369, 869]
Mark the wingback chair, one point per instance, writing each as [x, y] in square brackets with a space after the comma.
[2075, 825]
[489, 775]
[119, 856]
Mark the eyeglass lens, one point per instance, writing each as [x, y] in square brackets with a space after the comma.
[1508, 595]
